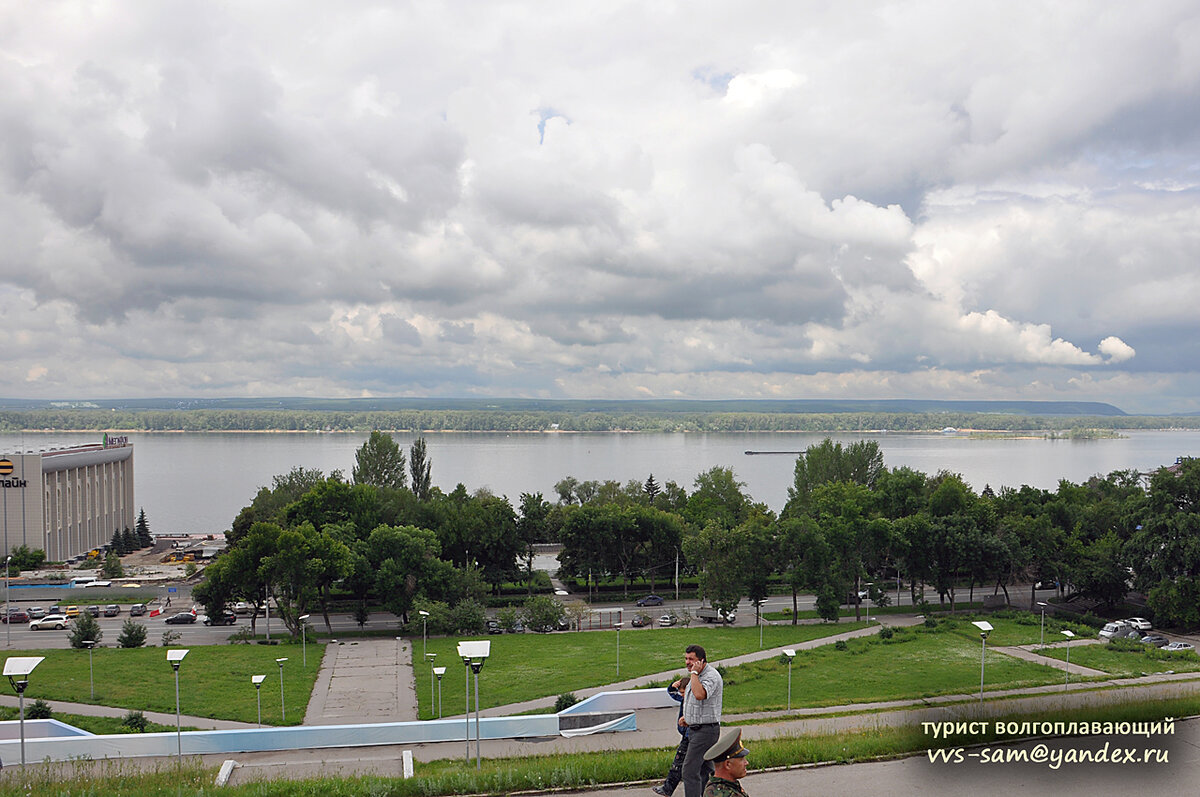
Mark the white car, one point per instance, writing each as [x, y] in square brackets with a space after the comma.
[1174, 646]
[1140, 623]
[56, 621]
[1115, 630]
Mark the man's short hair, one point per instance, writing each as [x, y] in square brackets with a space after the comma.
[699, 651]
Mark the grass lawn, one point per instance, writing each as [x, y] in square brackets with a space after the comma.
[915, 663]
[529, 666]
[214, 680]
[1121, 661]
[1012, 628]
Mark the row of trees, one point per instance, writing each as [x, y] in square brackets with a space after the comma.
[850, 525]
[500, 420]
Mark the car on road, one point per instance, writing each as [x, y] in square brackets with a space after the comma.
[181, 618]
[1176, 646]
[112, 610]
[35, 612]
[1140, 623]
[55, 609]
[137, 610]
[1157, 640]
[668, 620]
[650, 600]
[93, 610]
[51, 621]
[225, 618]
[15, 616]
[242, 607]
[71, 611]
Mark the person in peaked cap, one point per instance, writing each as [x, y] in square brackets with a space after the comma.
[729, 757]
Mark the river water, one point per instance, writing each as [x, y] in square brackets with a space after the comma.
[197, 482]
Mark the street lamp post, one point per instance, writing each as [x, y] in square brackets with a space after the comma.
[618, 626]
[398, 674]
[89, 644]
[304, 638]
[424, 637]
[1069, 635]
[985, 628]
[791, 654]
[282, 708]
[1043, 604]
[175, 657]
[439, 672]
[19, 667]
[257, 680]
[473, 655]
[430, 657]
[7, 618]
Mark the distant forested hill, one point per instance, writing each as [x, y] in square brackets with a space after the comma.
[527, 415]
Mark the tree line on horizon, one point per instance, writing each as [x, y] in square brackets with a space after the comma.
[217, 420]
[386, 536]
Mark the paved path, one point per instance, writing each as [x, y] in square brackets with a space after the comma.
[365, 680]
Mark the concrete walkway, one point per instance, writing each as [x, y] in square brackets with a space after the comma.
[364, 680]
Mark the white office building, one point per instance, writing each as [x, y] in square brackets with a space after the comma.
[67, 501]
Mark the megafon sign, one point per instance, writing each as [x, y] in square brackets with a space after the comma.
[6, 469]
[113, 441]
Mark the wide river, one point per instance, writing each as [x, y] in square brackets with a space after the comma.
[196, 483]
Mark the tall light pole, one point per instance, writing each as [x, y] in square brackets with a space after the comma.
[282, 708]
[257, 680]
[791, 654]
[1069, 635]
[89, 644]
[19, 667]
[304, 638]
[439, 672]
[7, 618]
[175, 657]
[618, 626]
[398, 674]
[985, 628]
[1043, 604]
[430, 657]
[473, 655]
[424, 637]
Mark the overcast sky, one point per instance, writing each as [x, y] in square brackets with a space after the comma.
[624, 200]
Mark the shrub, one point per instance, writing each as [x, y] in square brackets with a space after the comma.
[930, 622]
[133, 635]
[170, 638]
[565, 700]
[886, 632]
[243, 635]
[839, 645]
[38, 710]
[84, 628]
[135, 721]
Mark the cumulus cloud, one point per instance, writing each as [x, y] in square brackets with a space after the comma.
[861, 200]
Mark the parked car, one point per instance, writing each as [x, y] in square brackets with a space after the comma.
[241, 607]
[518, 628]
[181, 618]
[640, 620]
[225, 618]
[1046, 585]
[137, 610]
[71, 611]
[493, 627]
[16, 616]
[55, 621]
[112, 610]
[1174, 646]
[1156, 640]
[35, 612]
[93, 610]
[55, 609]
[650, 600]
[668, 620]
[1140, 623]
[563, 625]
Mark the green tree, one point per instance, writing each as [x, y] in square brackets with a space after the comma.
[720, 549]
[860, 462]
[533, 526]
[542, 613]
[718, 497]
[133, 634]
[142, 530]
[380, 462]
[421, 467]
[84, 628]
[112, 566]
